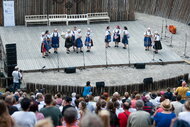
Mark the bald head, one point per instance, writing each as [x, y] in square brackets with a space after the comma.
[184, 83]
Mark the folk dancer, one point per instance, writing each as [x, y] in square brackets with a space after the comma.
[147, 39]
[107, 37]
[47, 42]
[43, 43]
[79, 43]
[55, 38]
[68, 40]
[157, 44]
[74, 33]
[88, 40]
[125, 37]
[117, 36]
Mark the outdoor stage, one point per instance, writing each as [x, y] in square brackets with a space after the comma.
[29, 56]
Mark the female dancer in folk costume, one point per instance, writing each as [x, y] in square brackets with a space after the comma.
[117, 36]
[125, 37]
[147, 39]
[107, 37]
[79, 43]
[74, 33]
[88, 40]
[43, 42]
[157, 44]
[55, 38]
[47, 42]
[68, 40]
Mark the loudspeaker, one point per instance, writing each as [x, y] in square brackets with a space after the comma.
[100, 84]
[70, 70]
[148, 80]
[11, 54]
[140, 65]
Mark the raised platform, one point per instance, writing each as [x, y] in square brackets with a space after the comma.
[29, 55]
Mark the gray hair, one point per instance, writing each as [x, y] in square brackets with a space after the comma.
[70, 115]
[139, 105]
[91, 120]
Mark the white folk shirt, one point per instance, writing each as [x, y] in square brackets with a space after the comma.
[117, 31]
[79, 35]
[68, 35]
[157, 37]
[88, 34]
[16, 76]
[74, 33]
[125, 32]
[107, 32]
[55, 34]
[148, 33]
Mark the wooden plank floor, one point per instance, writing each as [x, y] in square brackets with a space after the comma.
[29, 56]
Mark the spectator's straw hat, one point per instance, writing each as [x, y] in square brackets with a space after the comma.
[166, 105]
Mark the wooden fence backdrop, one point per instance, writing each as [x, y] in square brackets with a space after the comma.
[67, 90]
[118, 10]
[178, 10]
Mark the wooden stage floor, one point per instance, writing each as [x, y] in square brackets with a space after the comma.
[30, 59]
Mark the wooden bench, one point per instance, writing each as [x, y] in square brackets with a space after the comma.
[57, 18]
[77, 17]
[36, 19]
[99, 16]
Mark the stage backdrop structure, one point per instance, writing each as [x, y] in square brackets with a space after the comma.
[118, 10]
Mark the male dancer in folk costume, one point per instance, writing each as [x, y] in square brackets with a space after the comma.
[79, 43]
[107, 37]
[147, 39]
[43, 42]
[74, 33]
[125, 37]
[157, 44]
[117, 36]
[88, 40]
[55, 38]
[68, 40]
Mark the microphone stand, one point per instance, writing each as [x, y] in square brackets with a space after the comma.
[129, 58]
[106, 56]
[57, 62]
[185, 49]
[162, 30]
[84, 60]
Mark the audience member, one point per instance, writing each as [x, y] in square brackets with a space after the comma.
[182, 91]
[87, 89]
[105, 117]
[44, 123]
[66, 104]
[178, 107]
[186, 114]
[123, 117]
[5, 118]
[163, 119]
[51, 111]
[34, 108]
[9, 103]
[24, 118]
[139, 118]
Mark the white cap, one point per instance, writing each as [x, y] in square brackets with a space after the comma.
[88, 29]
[16, 67]
[148, 28]
[79, 30]
[73, 94]
[43, 33]
[156, 32]
[55, 29]
[68, 30]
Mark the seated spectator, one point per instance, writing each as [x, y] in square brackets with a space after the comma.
[123, 117]
[34, 108]
[105, 117]
[113, 117]
[186, 114]
[9, 103]
[168, 94]
[163, 119]
[66, 104]
[5, 118]
[139, 118]
[91, 120]
[182, 91]
[70, 117]
[24, 118]
[178, 107]
[179, 123]
[51, 111]
[44, 123]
